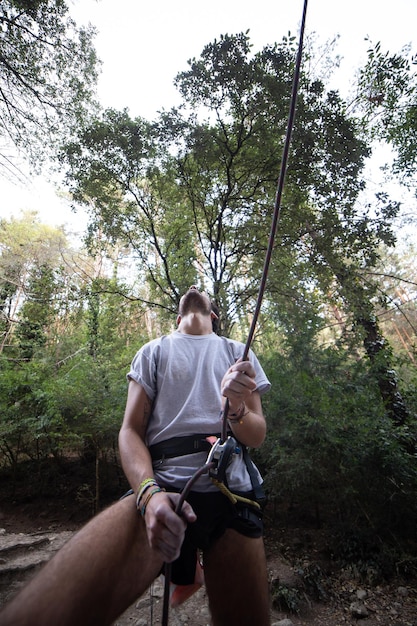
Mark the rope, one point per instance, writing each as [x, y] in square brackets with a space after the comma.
[277, 206]
[168, 566]
[233, 497]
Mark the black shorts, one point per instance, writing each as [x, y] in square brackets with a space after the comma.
[215, 513]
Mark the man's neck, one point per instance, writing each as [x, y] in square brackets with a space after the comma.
[195, 323]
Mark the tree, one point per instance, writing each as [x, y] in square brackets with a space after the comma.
[387, 98]
[48, 71]
[37, 311]
[328, 230]
[200, 181]
[192, 193]
[134, 203]
[62, 382]
[27, 249]
[334, 456]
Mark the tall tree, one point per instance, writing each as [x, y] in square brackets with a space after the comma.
[387, 97]
[134, 201]
[37, 311]
[231, 153]
[195, 189]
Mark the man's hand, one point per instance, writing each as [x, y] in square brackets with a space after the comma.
[165, 529]
[238, 383]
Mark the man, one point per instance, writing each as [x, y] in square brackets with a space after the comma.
[177, 386]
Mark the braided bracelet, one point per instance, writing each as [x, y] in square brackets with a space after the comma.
[237, 417]
[142, 509]
[143, 487]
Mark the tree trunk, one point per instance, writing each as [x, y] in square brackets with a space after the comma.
[380, 356]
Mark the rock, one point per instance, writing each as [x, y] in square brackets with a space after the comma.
[358, 610]
[157, 588]
[283, 622]
[361, 594]
[402, 591]
[284, 574]
[396, 608]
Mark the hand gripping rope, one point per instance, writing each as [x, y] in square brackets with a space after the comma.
[222, 450]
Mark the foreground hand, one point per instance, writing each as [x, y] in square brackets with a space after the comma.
[238, 383]
[165, 529]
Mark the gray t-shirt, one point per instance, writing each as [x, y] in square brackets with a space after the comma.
[181, 375]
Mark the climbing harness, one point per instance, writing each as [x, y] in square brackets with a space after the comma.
[179, 446]
[222, 450]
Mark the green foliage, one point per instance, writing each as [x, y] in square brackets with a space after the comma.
[55, 411]
[286, 598]
[62, 380]
[29, 270]
[37, 312]
[28, 428]
[332, 450]
[48, 73]
[387, 93]
[133, 202]
[190, 195]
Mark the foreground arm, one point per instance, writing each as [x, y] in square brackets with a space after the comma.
[165, 529]
[94, 578]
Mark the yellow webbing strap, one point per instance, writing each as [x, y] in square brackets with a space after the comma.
[232, 496]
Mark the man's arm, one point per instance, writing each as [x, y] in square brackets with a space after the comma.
[134, 454]
[238, 385]
[165, 529]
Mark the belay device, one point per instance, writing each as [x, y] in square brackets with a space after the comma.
[220, 457]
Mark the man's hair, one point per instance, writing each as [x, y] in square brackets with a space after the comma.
[215, 322]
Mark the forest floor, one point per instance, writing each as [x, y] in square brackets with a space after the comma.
[309, 587]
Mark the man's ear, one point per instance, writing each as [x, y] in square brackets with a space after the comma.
[214, 316]
[178, 319]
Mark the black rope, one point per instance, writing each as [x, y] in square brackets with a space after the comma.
[272, 234]
[277, 206]
[168, 566]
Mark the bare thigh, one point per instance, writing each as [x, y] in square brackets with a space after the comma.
[237, 581]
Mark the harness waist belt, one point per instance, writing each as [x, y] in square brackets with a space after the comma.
[179, 446]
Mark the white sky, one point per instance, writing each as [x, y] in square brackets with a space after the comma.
[143, 45]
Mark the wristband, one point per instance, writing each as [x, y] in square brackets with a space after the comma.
[237, 418]
[152, 492]
[238, 415]
[144, 486]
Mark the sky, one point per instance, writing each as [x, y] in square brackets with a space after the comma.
[144, 44]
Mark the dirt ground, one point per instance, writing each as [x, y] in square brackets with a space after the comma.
[308, 587]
